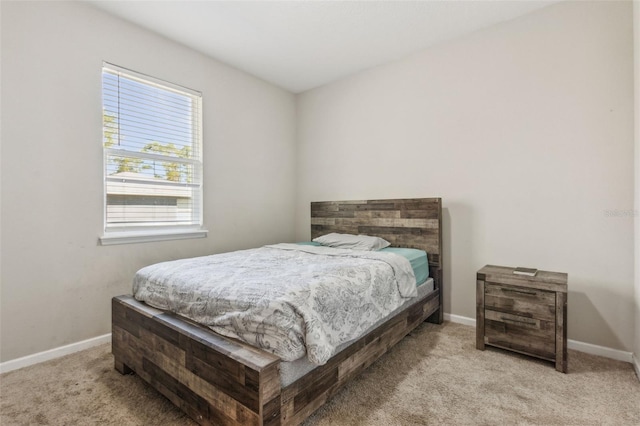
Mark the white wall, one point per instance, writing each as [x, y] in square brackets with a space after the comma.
[526, 131]
[56, 281]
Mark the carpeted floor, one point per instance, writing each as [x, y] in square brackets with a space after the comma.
[435, 376]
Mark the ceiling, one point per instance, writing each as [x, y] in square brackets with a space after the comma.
[299, 45]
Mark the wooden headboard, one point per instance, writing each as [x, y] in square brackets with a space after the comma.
[413, 223]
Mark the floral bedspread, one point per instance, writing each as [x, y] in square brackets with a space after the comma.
[287, 299]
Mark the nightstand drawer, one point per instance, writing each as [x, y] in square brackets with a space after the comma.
[529, 335]
[528, 302]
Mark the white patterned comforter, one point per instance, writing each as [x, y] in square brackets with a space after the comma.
[287, 299]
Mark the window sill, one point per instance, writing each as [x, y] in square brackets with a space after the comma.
[113, 238]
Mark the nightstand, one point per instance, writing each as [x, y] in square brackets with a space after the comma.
[522, 313]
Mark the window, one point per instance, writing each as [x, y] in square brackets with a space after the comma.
[152, 142]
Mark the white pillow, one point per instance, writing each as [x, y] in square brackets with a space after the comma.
[354, 242]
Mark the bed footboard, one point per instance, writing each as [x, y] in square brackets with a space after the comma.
[216, 381]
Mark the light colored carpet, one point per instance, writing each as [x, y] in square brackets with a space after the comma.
[435, 376]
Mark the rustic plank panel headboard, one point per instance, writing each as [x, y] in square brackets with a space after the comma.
[413, 223]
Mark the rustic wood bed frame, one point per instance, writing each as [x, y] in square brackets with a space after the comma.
[221, 381]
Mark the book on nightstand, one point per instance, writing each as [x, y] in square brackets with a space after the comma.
[529, 272]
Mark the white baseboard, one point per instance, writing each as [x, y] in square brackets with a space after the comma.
[636, 365]
[460, 320]
[28, 360]
[571, 344]
[600, 351]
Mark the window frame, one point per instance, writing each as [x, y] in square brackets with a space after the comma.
[140, 233]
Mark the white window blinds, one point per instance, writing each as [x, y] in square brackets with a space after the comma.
[152, 139]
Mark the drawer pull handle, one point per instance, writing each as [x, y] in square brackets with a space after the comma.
[529, 322]
[532, 293]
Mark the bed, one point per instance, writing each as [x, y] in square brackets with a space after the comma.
[218, 380]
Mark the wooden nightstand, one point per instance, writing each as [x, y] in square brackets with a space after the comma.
[523, 314]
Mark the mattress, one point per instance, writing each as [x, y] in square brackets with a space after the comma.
[293, 370]
[417, 258]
